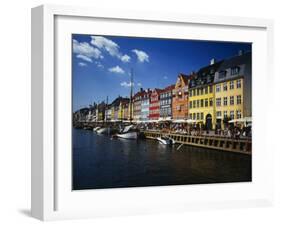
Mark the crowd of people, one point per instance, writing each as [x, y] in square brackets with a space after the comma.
[234, 131]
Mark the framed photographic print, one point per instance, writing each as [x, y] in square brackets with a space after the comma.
[137, 112]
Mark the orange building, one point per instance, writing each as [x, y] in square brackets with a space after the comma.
[180, 97]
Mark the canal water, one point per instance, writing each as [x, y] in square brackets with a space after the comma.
[102, 162]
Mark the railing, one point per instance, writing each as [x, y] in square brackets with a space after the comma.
[218, 143]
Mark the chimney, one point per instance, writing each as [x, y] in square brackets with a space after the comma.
[212, 61]
[240, 52]
[141, 89]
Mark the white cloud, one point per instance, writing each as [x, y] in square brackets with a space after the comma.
[139, 84]
[110, 47]
[125, 58]
[104, 43]
[81, 64]
[85, 51]
[141, 55]
[99, 64]
[126, 84]
[84, 58]
[165, 77]
[117, 70]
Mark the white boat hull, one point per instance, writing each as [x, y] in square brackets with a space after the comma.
[129, 135]
[102, 130]
[96, 128]
[169, 141]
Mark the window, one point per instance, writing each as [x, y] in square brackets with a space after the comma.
[202, 116]
[198, 116]
[231, 100]
[194, 104]
[211, 102]
[197, 92]
[225, 101]
[194, 92]
[231, 85]
[218, 101]
[218, 114]
[222, 74]
[238, 114]
[194, 116]
[190, 104]
[206, 90]
[218, 88]
[232, 114]
[206, 102]
[234, 71]
[238, 84]
[211, 89]
[238, 99]
[198, 103]
[224, 114]
[202, 103]
[225, 86]
[190, 93]
[202, 91]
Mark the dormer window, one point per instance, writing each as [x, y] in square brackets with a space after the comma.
[234, 70]
[222, 74]
[208, 79]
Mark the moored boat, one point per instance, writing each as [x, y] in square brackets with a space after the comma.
[104, 130]
[166, 140]
[96, 128]
[128, 133]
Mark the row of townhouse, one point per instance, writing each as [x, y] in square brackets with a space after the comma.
[222, 91]
[213, 95]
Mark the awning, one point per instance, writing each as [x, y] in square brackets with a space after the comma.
[189, 121]
[242, 120]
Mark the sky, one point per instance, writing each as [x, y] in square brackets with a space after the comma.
[101, 65]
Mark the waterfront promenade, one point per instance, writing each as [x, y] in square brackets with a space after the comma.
[216, 142]
[209, 140]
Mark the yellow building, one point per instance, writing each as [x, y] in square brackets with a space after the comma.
[232, 88]
[229, 100]
[123, 111]
[201, 96]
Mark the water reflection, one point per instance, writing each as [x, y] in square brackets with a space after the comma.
[102, 162]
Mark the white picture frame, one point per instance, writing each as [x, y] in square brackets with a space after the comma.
[48, 171]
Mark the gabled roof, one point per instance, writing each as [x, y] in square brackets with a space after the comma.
[205, 75]
[156, 90]
[168, 88]
[184, 77]
[236, 60]
[117, 101]
[242, 62]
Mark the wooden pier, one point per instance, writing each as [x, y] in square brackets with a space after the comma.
[243, 146]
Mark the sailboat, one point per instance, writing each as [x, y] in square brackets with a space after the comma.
[129, 132]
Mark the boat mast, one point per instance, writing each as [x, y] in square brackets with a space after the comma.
[131, 95]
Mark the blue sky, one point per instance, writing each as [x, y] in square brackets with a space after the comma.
[101, 64]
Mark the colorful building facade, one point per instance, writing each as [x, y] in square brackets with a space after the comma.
[212, 96]
[145, 106]
[180, 97]
[233, 91]
[166, 100]
[201, 95]
[137, 102]
[154, 105]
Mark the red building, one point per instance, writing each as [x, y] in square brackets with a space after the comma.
[154, 105]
